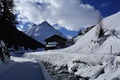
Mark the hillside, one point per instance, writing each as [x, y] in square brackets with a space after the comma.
[89, 43]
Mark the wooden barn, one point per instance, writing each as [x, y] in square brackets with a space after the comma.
[61, 41]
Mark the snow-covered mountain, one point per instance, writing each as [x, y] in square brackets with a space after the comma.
[42, 31]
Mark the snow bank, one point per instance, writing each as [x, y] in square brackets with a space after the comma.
[85, 65]
[68, 58]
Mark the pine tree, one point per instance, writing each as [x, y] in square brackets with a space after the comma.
[7, 26]
[100, 30]
[7, 21]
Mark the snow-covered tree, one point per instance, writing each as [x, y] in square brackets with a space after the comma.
[100, 30]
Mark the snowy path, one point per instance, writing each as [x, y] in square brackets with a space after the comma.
[24, 69]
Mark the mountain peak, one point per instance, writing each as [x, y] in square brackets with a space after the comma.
[45, 23]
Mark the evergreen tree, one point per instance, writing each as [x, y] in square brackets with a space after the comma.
[7, 21]
[7, 26]
[100, 30]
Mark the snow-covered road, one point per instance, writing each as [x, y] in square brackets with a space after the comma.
[24, 69]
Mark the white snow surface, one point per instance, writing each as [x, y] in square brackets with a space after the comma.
[42, 32]
[77, 38]
[87, 65]
[22, 69]
[97, 59]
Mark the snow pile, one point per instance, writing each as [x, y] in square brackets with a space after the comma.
[89, 58]
[42, 32]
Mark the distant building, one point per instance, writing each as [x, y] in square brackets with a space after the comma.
[59, 41]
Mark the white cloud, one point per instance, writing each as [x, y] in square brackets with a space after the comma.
[71, 14]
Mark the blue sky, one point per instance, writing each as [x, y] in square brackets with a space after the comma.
[106, 7]
[71, 18]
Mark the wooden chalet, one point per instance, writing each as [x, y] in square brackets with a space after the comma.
[56, 38]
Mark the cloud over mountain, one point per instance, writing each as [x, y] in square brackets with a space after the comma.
[71, 14]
